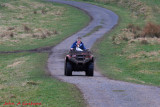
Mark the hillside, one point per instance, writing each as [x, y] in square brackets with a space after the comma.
[131, 52]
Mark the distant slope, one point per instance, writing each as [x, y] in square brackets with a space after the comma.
[131, 51]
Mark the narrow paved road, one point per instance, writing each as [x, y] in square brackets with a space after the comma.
[100, 91]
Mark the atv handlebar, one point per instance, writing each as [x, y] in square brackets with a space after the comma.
[73, 49]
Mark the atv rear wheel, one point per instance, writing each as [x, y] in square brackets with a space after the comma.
[90, 70]
[68, 69]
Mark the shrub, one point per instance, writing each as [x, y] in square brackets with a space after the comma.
[43, 11]
[11, 35]
[136, 30]
[26, 28]
[35, 12]
[144, 42]
[11, 28]
[7, 34]
[151, 30]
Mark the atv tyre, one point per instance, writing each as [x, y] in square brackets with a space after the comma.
[90, 70]
[68, 69]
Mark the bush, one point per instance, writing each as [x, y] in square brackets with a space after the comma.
[151, 30]
[144, 42]
[134, 29]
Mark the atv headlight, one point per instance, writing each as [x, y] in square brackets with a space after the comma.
[88, 56]
[74, 56]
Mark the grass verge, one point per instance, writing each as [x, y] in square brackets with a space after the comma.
[22, 78]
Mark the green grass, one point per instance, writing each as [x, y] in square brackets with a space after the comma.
[155, 5]
[22, 78]
[113, 58]
[63, 19]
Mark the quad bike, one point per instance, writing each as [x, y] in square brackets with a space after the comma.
[78, 61]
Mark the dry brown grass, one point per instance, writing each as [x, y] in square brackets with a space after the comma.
[151, 30]
[7, 34]
[144, 54]
[150, 59]
[27, 29]
[156, 9]
[35, 12]
[32, 83]
[12, 96]
[59, 12]
[11, 28]
[1, 16]
[150, 34]
[43, 33]
[20, 17]
[40, 33]
[134, 29]
[147, 72]
[133, 79]
[127, 34]
[43, 11]
[2, 87]
[35, 5]
[137, 7]
[15, 64]
[115, 69]
[144, 42]
[21, 30]
[8, 5]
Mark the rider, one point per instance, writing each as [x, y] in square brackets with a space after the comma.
[78, 44]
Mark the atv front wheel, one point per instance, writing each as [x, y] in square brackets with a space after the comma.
[90, 70]
[68, 69]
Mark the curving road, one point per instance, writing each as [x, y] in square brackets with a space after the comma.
[100, 91]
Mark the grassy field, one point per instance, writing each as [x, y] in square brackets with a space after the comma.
[22, 78]
[32, 24]
[129, 52]
[29, 24]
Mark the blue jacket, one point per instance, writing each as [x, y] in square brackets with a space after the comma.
[81, 45]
